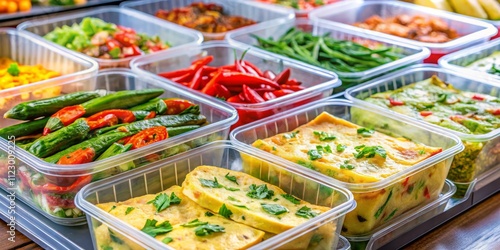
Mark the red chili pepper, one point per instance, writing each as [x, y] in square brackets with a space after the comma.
[105, 121]
[196, 81]
[255, 68]
[208, 69]
[293, 82]
[112, 43]
[269, 96]
[478, 97]
[222, 91]
[237, 78]
[184, 78]
[269, 75]
[175, 106]
[131, 51]
[395, 103]
[235, 99]
[66, 116]
[123, 115]
[293, 87]
[251, 95]
[210, 89]
[437, 151]
[426, 193]
[405, 182]
[148, 136]
[261, 91]
[282, 92]
[250, 70]
[176, 73]
[425, 113]
[282, 78]
[235, 89]
[228, 67]
[79, 156]
[75, 186]
[126, 39]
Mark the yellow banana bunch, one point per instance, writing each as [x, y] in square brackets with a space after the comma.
[486, 9]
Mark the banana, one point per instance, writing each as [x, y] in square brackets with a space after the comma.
[436, 4]
[492, 8]
[469, 8]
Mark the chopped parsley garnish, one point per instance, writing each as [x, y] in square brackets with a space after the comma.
[224, 211]
[231, 198]
[231, 189]
[346, 165]
[208, 229]
[260, 192]
[210, 183]
[341, 148]
[209, 214]
[274, 148]
[241, 206]
[315, 239]
[365, 132]
[167, 240]
[369, 152]
[152, 229]
[291, 198]
[114, 238]
[306, 164]
[107, 248]
[421, 152]
[314, 154]
[323, 136]
[275, 209]
[163, 201]
[243, 217]
[129, 209]
[113, 207]
[291, 135]
[306, 212]
[231, 178]
[275, 199]
[13, 69]
[194, 223]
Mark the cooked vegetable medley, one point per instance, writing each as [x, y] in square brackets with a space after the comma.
[300, 4]
[419, 28]
[13, 74]
[489, 64]
[97, 38]
[329, 53]
[215, 208]
[204, 17]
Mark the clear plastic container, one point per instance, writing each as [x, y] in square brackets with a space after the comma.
[27, 49]
[174, 34]
[58, 206]
[275, 30]
[298, 13]
[458, 61]
[430, 174]
[472, 31]
[162, 175]
[261, 13]
[479, 154]
[405, 222]
[319, 83]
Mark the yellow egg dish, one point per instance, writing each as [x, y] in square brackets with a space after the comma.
[346, 151]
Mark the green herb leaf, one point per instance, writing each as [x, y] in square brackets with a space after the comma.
[275, 199]
[421, 152]
[260, 192]
[231, 189]
[210, 183]
[341, 148]
[167, 240]
[129, 209]
[316, 238]
[381, 209]
[163, 201]
[194, 223]
[113, 207]
[106, 248]
[231, 198]
[209, 214]
[224, 211]
[13, 69]
[243, 217]
[314, 154]
[291, 135]
[346, 165]
[174, 199]
[306, 212]
[274, 148]
[365, 132]
[291, 198]
[275, 209]
[114, 238]
[153, 230]
[306, 164]
[241, 206]
[208, 229]
[328, 149]
[231, 178]
[369, 152]
[323, 136]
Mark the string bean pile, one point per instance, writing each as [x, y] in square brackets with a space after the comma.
[329, 53]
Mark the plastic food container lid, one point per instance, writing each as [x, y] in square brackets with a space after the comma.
[473, 30]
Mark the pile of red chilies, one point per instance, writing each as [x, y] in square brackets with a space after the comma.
[241, 82]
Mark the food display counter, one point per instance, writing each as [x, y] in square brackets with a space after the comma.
[246, 124]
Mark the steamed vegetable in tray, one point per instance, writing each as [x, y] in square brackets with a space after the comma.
[97, 38]
[418, 28]
[89, 126]
[204, 17]
[354, 154]
[438, 102]
[329, 53]
[14, 74]
[489, 64]
[214, 209]
[300, 4]
[241, 82]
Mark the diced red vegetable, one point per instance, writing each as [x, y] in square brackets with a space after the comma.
[148, 136]
[395, 102]
[425, 113]
[478, 97]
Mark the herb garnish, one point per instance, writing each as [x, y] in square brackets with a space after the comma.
[369, 152]
[194, 223]
[306, 212]
[113, 207]
[365, 132]
[260, 192]
[231, 178]
[314, 154]
[224, 211]
[346, 165]
[275, 209]
[291, 135]
[291, 198]
[210, 183]
[341, 148]
[323, 136]
[152, 229]
[208, 229]
[163, 201]
[13, 69]
[129, 209]
[209, 214]
[167, 240]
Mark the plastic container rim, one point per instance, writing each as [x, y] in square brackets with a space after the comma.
[353, 187]
[488, 29]
[197, 36]
[75, 57]
[90, 209]
[290, 14]
[419, 68]
[421, 53]
[45, 167]
[296, 96]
